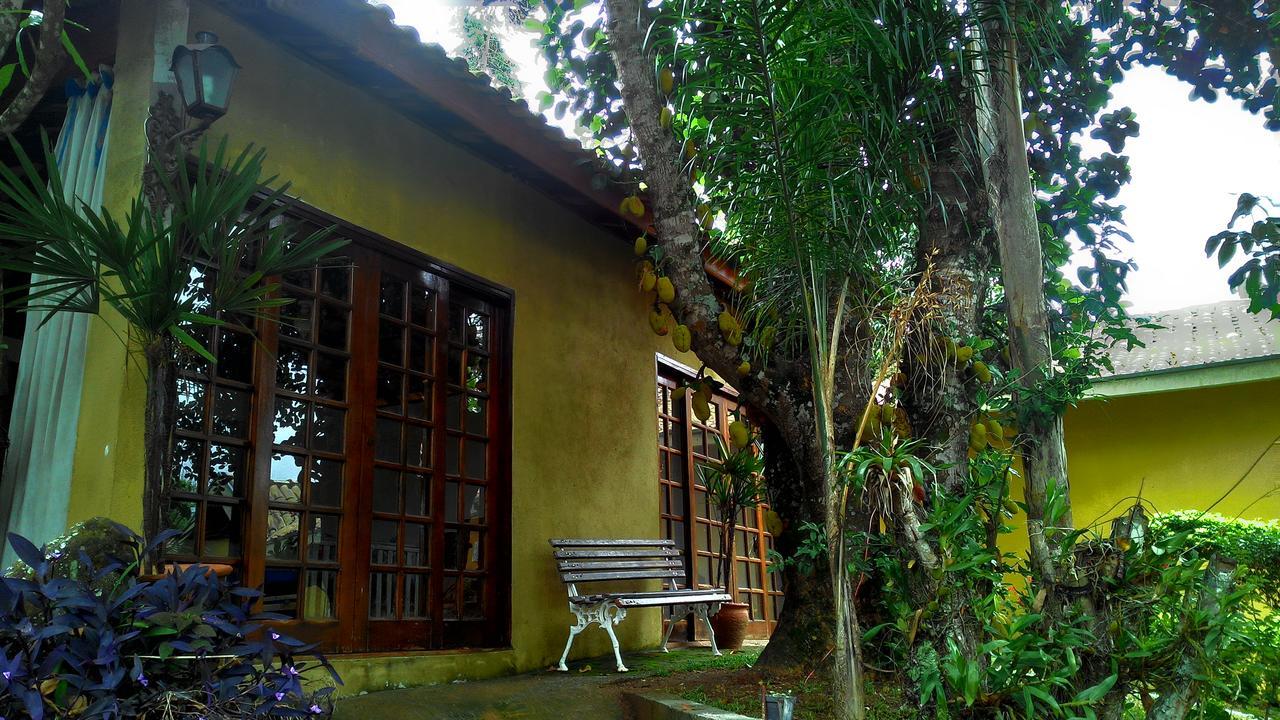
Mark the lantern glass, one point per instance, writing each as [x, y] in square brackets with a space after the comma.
[184, 70]
[217, 71]
[205, 73]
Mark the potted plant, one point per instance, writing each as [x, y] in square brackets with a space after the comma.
[734, 483]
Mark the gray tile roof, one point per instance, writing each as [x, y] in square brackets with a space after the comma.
[1200, 335]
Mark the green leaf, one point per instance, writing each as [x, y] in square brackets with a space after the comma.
[185, 338]
[75, 56]
[6, 75]
[1225, 253]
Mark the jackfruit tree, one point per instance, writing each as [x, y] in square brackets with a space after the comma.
[898, 188]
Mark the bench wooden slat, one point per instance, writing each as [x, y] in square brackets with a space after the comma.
[606, 542]
[567, 565]
[672, 600]
[701, 595]
[617, 553]
[599, 576]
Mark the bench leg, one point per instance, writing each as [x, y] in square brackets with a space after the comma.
[583, 621]
[573, 633]
[671, 625]
[702, 613]
[609, 620]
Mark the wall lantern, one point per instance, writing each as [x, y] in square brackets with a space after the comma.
[205, 72]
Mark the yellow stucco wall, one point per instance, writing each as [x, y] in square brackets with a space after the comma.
[1190, 446]
[583, 446]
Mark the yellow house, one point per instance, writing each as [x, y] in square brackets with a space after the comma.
[1189, 422]
[477, 376]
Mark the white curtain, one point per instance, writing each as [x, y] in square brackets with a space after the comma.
[46, 393]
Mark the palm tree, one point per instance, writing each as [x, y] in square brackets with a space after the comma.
[207, 260]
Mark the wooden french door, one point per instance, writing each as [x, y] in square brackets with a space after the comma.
[686, 513]
[353, 461]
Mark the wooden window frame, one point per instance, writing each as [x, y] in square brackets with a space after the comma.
[669, 373]
[351, 630]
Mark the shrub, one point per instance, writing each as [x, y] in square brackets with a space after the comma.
[103, 644]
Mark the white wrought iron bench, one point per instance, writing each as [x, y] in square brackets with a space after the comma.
[590, 560]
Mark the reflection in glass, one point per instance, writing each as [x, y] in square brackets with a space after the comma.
[222, 530]
[387, 441]
[188, 458]
[321, 594]
[293, 368]
[226, 467]
[231, 412]
[382, 542]
[332, 326]
[322, 538]
[415, 596]
[280, 591]
[326, 482]
[382, 594]
[235, 355]
[327, 429]
[286, 478]
[331, 377]
[283, 527]
[191, 404]
[291, 419]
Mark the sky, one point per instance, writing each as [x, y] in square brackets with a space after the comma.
[1189, 162]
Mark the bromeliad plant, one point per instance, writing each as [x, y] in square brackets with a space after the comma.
[171, 274]
[103, 644]
[734, 483]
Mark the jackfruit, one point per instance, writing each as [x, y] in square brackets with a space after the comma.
[666, 80]
[690, 150]
[678, 392]
[681, 338]
[982, 372]
[773, 523]
[666, 291]
[632, 205]
[964, 353]
[727, 322]
[734, 337]
[648, 280]
[642, 246]
[658, 322]
[664, 118]
[949, 347]
[978, 437]
[701, 408]
[994, 429]
[744, 369]
[739, 434]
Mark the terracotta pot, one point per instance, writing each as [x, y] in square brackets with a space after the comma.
[731, 624]
[210, 568]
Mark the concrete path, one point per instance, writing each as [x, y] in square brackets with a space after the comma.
[538, 696]
[589, 691]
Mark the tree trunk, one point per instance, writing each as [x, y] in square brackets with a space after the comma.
[1179, 696]
[1008, 181]
[44, 67]
[807, 613]
[161, 415]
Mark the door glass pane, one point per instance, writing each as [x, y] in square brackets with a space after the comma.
[331, 376]
[293, 368]
[322, 538]
[286, 478]
[326, 482]
[415, 596]
[382, 594]
[327, 429]
[386, 491]
[283, 528]
[321, 594]
[383, 541]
